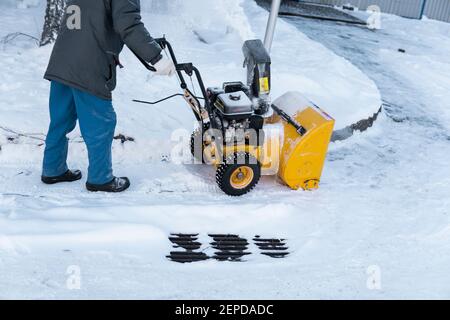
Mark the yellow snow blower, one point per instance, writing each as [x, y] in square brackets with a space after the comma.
[245, 136]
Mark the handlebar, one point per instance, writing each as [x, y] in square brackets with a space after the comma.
[187, 68]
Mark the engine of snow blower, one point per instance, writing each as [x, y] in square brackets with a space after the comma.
[238, 110]
[233, 127]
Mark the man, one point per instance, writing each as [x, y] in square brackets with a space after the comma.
[82, 71]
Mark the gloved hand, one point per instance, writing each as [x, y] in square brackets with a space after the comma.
[165, 67]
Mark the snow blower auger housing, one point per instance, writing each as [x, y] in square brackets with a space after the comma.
[245, 136]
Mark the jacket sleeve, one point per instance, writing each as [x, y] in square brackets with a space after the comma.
[127, 23]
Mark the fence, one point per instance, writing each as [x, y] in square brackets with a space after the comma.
[438, 9]
[433, 9]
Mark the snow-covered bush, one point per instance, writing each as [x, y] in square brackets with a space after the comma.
[23, 4]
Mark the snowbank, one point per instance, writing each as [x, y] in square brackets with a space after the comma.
[299, 63]
[208, 33]
[383, 200]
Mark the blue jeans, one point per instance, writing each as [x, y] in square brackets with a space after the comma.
[97, 124]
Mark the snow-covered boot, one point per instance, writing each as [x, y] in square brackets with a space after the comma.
[116, 185]
[69, 176]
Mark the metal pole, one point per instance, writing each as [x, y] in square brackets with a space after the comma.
[422, 10]
[271, 24]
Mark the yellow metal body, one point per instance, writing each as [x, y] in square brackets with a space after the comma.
[210, 152]
[302, 158]
[299, 158]
[242, 177]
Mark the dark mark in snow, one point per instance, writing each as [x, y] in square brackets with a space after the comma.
[230, 247]
[361, 126]
[123, 138]
[202, 39]
[189, 244]
[274, 248]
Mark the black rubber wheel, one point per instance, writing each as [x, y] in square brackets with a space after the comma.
[239, 174]
[197, 142]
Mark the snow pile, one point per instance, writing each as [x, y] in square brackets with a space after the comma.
[383, 201]
[325, 78]
[21, 4]
[208, 33]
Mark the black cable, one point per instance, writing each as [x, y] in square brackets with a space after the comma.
[159, 101]
[25, 135]
[164, 99]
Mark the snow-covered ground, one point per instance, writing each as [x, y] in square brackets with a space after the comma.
[383, 202]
